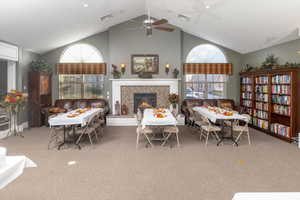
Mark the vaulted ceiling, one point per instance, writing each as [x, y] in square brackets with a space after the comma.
[242, 25]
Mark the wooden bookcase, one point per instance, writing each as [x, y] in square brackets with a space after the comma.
[39, 89]
[271, 98]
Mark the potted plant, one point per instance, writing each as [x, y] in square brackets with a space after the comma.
[40, 66]
[175, 73]
[174, 100]
[115, 72]
[270, 62]
[14, 102]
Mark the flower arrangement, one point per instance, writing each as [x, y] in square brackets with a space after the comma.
[115, 72]
[14, 101]
[173, 98]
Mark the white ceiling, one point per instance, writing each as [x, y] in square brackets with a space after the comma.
[242, 25]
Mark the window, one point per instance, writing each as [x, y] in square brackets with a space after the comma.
[205, 86]
[81, 86]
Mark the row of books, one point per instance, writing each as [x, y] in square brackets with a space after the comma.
[262, 97]
[247, 103]
[281, 79]
[246, 80]
[261, 88]
[260, 114]
[286, 100]
[281, 89]
[260, 123]
[262, 106]
[247, 88]
[280, 129]
[261, 80]
[247, 95]
[282, 110]
[248, 111]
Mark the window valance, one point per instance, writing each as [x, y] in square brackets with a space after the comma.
[81, 68]
[207, 68]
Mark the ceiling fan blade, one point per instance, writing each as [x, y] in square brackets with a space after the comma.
[161, 28]
[159, 22]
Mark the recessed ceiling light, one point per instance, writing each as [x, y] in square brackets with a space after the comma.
[207, 6]
[298, 52]
[85, 5]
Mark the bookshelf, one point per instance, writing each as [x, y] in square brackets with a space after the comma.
[270, 97]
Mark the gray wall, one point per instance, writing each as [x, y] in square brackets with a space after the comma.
[121, 41]
[233, 86]
[100, 41]
[3, 77]
[23, 66]
[287, 52]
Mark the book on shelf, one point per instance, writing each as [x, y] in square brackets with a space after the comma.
[246, 95]
[260, 114]
[261, 80]
[247, 103]
[281, 89]
[262, 97]
[281, 79]
[246, 80]
[278, 99]
[261, 88]
[282, 110]
[247, 88]
[280, 129]
[260, 123]
[262, 106]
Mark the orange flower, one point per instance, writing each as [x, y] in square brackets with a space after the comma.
[12, 100]
[6, 99]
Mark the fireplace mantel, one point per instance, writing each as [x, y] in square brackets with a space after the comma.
[118, 83]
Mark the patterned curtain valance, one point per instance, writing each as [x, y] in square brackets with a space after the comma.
[81, 68]
[207, 68]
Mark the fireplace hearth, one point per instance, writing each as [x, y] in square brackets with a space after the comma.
[144, 100]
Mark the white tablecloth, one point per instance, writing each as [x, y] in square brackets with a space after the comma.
[82, 119]
[267, 196]
[13, 168]
[212, 116]
[150, 120]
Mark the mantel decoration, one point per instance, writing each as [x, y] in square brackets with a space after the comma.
[40, 66]
[167, 68]
[14, 102]
[115, 72]
[271, 62]
[175, 73]
[174, 100]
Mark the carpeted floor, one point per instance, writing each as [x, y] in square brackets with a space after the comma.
[115, 170]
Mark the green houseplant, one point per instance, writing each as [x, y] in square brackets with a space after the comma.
[40, 66]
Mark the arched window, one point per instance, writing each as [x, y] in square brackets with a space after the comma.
[81, 86]
[205, 86]
[206, 53]
[81, 53]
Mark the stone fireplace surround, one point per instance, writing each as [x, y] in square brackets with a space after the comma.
[123, 90]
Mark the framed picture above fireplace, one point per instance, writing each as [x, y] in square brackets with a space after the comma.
[144, 63]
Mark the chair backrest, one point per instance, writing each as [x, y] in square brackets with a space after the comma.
[248, 118]
[139, 115]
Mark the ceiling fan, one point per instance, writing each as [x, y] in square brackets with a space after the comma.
[149, 24]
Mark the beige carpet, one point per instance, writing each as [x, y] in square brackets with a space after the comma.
[115, 170]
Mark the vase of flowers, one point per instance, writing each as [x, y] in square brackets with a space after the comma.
[174, 100]
[14, 102]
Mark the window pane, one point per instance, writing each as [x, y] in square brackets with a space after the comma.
[70, 86]
[93, 86]
[216, 90]
[195, 90]
[206, 53]
[217, 78]
[195, 78]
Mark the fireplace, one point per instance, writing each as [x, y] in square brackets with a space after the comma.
[144, 100]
